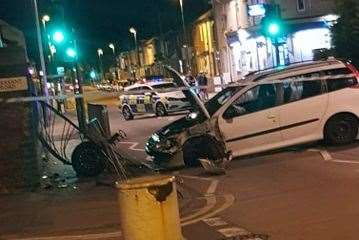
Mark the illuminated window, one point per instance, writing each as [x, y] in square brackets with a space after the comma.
[301, 5]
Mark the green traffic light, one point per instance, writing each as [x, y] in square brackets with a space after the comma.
[93, 74]
[273, 28]
[58, 36]
[71, 52]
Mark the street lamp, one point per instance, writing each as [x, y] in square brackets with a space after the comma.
[112, 46]
[185, 45]
[134, 32]
[100, 54]
[45, 19]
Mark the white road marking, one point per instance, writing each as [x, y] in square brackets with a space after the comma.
[133, 146]
[344, 161]
[212, 187]
[215, 222]
[233, 232]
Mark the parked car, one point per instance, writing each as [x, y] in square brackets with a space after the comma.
[269, 110]
[160, 98]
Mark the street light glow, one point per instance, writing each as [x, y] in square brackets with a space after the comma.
[133, 30]
[58, 36]
[99, 52]
[46, 18]
[93, 74]
[112, 46]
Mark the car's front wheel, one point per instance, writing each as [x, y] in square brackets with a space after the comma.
[126, 113]
[203, 147]
[161, 109]
[341, 129]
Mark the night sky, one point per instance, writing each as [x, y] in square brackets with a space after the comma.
[99, 22]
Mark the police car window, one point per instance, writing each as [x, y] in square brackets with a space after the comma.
[164, 86]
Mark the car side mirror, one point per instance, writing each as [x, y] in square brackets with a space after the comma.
[230, 113]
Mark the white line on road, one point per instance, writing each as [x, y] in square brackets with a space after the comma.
[133, 146]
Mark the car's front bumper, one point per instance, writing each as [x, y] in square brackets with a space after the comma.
[163, 160]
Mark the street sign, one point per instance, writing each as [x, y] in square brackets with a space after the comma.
[60, 71]
[256, 10]
[13, 84]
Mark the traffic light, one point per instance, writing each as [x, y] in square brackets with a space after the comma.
[93, 74]
[272, 24]
[58, 36]
[71, 52]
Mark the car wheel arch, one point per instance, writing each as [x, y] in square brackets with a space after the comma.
[339, 114]
[203, 141]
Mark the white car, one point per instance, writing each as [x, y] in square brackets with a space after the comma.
[270, 110]
[160, 98]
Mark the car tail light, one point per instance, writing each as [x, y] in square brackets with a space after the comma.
[354, 70]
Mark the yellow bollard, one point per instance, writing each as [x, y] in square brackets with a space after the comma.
[149, 209]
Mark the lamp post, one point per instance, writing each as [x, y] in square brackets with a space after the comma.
[44, 20]
[112, 46]
[100, 54]
[41, 51]
[134, 32]
[185, 45]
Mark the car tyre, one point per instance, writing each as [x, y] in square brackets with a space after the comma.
[161, 110]
[88, 160]
[205, 147]
[341, 129]
[126, 113]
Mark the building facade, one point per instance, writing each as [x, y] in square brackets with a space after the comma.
[244, 49]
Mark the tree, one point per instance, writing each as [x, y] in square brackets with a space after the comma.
[346, 30]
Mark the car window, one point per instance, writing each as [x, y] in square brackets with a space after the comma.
[164, 86]
[221, 98]
[297, 90]
[340, 83]
[256, 99]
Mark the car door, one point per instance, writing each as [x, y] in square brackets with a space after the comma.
[144, 100]
[304, 105]
[251, 123]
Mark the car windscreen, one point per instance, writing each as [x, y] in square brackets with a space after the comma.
[221, 98]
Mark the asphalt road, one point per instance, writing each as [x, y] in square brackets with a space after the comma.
[308, 192]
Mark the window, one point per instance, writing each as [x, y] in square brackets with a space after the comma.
[221, 98]
[164, 86]
[337, 84]
[301, 5]
[256, 99]
[297, 90]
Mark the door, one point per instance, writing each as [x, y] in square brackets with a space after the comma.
[251, 123]
[304, 104]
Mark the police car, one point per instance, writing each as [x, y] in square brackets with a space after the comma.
[160, 98]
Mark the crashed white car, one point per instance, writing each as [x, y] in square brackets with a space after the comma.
[269, 110]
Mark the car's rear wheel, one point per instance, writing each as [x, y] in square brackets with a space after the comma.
[161, 110]
[341, 129]
[127, 114]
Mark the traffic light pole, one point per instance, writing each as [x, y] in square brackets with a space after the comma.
[276, 46]
[80, 103]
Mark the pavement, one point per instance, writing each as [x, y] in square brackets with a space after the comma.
[304, 192]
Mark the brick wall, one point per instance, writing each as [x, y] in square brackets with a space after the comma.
[19, 148]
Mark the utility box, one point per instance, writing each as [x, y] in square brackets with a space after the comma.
[100, 112]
